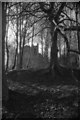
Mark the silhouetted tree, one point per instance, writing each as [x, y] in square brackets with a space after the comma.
[4, 81]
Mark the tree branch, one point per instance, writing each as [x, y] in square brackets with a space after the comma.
[38, 32]
[48, 11]
[72, 28]
[59, 11]
[66, 40]
[77, 52]
[69, 18]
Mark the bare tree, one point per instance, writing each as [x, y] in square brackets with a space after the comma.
[48, 14]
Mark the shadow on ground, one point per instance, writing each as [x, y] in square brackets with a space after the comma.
[40, 95]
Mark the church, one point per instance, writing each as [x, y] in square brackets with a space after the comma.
[33, 59]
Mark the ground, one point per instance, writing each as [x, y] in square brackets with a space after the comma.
[40, 95]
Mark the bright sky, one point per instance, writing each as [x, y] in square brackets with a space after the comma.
[12, 37]
[11, 34]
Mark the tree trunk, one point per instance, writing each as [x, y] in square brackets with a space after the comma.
[17, 38]
[42, 41]
[7, 50]
[20, 45]
[78, 31]
[23, 43]
[16, 52]
[32, 35]
[4, 81]
[14, 65]
[54, 61]
[78, 34]
[1, 59]
[46, 45]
